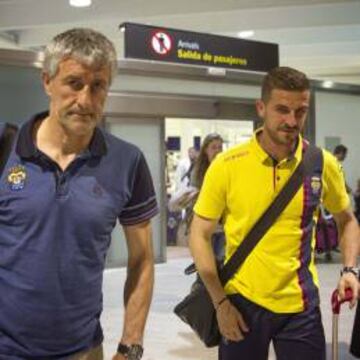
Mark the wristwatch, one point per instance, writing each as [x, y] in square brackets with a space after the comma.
[350, 269]
[131, 352]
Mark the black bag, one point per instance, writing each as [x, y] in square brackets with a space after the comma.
[197, 309]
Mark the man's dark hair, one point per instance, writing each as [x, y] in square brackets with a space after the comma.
[283, 78]
[340, 149]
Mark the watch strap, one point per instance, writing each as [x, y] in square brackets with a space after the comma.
[350, 269]
[131, 352]
[123, 349]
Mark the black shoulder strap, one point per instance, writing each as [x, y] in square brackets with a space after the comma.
[6, 142]
[304, 168]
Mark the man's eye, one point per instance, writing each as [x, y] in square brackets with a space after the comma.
[301, 112]
[98, 86]
[75, 84]
[282, 110]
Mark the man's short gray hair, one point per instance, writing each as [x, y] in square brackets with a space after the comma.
[84, 45]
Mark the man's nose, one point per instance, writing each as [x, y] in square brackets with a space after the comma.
[84, 98]
[291, 119]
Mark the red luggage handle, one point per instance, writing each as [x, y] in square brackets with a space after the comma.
[336, 302]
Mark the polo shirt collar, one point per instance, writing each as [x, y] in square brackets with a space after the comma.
[265, 157]
[26, 148]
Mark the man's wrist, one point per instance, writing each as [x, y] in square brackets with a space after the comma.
[219, 303]
[350, 270]
[131, 352]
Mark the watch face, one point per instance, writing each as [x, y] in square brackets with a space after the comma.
[135, 352]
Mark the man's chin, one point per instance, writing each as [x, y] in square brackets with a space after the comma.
[81, 128]
[84, 130]
[290, 135]
[287, 139]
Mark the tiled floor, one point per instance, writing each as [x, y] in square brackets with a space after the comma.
[167, 338]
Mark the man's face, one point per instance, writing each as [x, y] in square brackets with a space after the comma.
[284, 115]
[192, 154]
[340, 156]
[77, 95]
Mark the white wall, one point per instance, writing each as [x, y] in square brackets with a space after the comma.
[148, 135]
[338, 115]
[21, 94]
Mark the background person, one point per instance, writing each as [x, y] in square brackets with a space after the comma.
[327, 239]
[210, 148]
[184, 169]
[340, 152]
[184, 199]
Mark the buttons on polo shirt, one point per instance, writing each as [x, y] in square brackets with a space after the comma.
[61, 184]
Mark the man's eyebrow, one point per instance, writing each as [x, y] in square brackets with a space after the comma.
[281, 106]
[71, 77]
[76, 76]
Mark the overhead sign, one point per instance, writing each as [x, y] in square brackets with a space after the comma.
[170, 45]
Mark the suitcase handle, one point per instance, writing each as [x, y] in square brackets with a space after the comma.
[336, 302]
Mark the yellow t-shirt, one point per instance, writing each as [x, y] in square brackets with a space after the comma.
[279, 274]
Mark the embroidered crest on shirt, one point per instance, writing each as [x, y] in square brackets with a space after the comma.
[315, 185]
[16, 177]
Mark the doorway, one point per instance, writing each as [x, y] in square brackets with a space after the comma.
[181, 134]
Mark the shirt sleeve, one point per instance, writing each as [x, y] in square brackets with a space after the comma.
[335, 197]
[142, 205]
[211, 201]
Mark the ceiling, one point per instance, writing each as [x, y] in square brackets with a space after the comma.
[320, 37]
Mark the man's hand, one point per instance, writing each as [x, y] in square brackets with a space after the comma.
[231, 323]
[118, 356]
[349, 280]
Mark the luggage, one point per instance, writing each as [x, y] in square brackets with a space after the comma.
[335, 305]
[355, 336]
[326, 234]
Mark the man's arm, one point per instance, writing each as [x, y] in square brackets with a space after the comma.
[139, 283]
[349, 236]
[230, 321]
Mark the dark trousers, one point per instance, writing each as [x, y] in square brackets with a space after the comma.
[297, 336]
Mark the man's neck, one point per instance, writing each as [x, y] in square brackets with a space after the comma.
[56, 143]
[276, 151]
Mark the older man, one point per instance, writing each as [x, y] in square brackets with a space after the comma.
[65, 184]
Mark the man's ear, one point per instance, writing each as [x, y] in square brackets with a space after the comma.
[46, 82]
[260, 108]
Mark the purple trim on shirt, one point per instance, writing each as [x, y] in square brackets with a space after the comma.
[143, 217]
[311, 200]
[303, 247]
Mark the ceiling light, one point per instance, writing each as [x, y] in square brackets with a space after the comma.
[328, 84]
[246, 34]
[80, 3]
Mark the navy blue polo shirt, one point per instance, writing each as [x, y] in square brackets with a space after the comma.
[55, 229]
